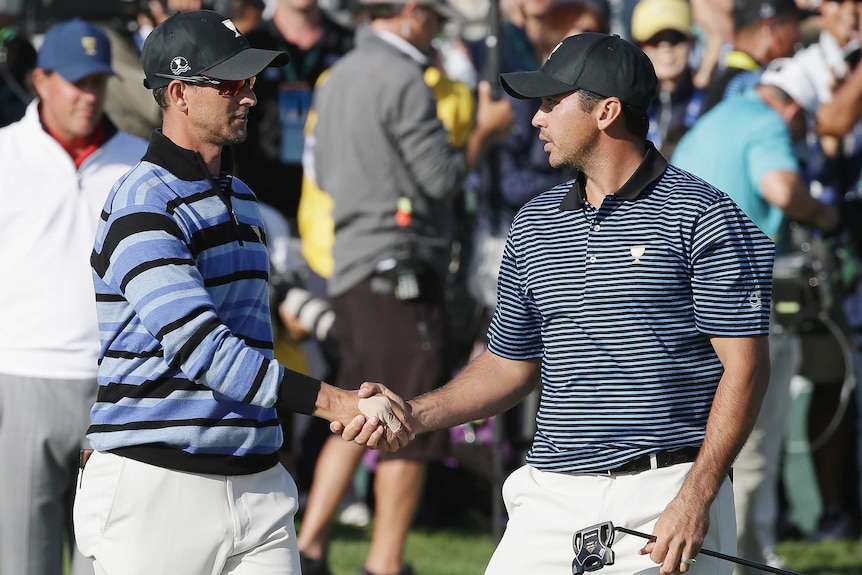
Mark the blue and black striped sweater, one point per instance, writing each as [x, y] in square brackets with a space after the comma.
[187, 378]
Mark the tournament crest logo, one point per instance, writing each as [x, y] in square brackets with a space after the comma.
[88, 43]
[755, 300]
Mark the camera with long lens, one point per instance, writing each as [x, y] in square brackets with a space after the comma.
[314, 314]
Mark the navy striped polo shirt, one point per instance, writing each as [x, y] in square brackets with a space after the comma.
[620, 302]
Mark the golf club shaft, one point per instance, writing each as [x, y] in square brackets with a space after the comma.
[739, 560]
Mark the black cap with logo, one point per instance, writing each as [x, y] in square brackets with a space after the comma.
[604, 64]
[202, 43]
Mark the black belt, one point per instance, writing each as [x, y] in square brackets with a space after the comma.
[655, 461]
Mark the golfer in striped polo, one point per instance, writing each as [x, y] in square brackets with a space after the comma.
[637, 297]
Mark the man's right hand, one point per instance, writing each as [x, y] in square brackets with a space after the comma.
[367, 429]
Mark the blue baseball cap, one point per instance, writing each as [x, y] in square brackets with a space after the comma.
[75, 49]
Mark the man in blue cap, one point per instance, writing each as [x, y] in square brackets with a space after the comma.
[57, 164]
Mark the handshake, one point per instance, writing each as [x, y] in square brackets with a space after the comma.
[385, 422]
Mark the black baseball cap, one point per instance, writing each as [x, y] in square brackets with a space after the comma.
[747, 12]
[600, 63]
[202, 43]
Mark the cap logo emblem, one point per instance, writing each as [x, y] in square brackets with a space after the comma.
[88, 43]
[232, 27]
[179, 65]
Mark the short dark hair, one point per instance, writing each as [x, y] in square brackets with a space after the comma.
[636, 119]
[588, 100]
[160, 95]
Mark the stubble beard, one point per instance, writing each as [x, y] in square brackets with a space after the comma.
[581, 154]
[235, 136]
[238, 138]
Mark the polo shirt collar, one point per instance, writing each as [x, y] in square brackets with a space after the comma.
[649, 170]
[185, 164]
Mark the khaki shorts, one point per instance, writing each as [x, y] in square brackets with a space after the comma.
[399, 344]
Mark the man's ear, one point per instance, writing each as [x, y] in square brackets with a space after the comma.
[40, 81]
[607, 111]
[176, 95]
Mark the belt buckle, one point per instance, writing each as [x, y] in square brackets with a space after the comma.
[637, 465]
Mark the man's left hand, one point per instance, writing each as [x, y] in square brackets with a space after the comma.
[679, 534]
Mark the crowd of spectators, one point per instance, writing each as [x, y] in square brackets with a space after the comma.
[761, 98]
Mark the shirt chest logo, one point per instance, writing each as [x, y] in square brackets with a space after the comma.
[637, 252]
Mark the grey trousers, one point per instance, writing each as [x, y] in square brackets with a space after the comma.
[42, 428]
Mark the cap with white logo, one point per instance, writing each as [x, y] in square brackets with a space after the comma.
[202, 43]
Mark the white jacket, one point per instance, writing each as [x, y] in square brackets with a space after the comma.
[48, 216]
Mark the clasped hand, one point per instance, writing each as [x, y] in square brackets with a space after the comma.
[384, 424]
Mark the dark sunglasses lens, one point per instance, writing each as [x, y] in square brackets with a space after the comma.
[671, 37]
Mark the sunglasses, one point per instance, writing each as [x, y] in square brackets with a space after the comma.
[843, 1]
[225, 87]
[672, 37]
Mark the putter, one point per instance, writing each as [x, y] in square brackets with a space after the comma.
[593, 550]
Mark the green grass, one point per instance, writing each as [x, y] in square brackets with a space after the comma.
[828, 558]
[431, 551]
[453, 551]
